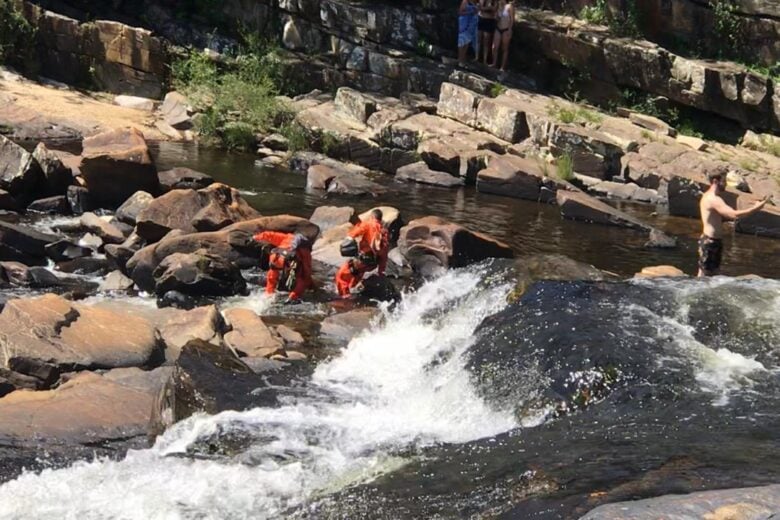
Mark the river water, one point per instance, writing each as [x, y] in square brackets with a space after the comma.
[460, 404]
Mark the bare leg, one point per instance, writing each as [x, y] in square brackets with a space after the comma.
[462, 54]
[505, 39]
[496, 44]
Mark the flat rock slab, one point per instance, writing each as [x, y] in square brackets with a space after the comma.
[249, 335]
[420, 173]
[757, 503]
[89, 408]
[583, 207]
[203, 323]
[51, 329]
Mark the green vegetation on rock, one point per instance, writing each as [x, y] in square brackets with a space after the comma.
[17, 38]
[564, 167]
[624, 23]
[574, 114]
[236, 99]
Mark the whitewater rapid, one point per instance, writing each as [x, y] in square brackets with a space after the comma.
[396, 388]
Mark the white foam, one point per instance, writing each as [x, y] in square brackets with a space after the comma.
[401, 385]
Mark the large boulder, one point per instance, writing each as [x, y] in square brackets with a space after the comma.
[433, 240]
[56, 176]
[20, 173]
[181, 178]
[327, 217]
[202, 323]
[129, 210]
[233, 244]
[209, 378]
[116, 164]
[343, 180]
[765, 222]
[250, 336]
[88, 408]
[24, 244]
[208, 209]
[55, 205]
[517, 177]
[198, 274]
[53, 330]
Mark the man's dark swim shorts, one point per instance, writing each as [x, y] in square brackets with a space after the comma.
[710, 253]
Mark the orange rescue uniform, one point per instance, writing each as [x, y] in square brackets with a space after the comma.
[277, 263]
[373, 248]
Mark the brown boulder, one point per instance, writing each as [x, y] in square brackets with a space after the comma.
[198, 274]
[53, 330]
[249, 335]
[116, 164]
[513, 176]
[101, 227]
[129, 210]
[208, 209]
[449, 244]
[327, 217]
[88, 408]
[233, 243]
[203, 323]
[660, 271]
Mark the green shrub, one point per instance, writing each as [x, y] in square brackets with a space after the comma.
[238, 135]
[330, 144]
[564, 167]
[297, 136]
[496, 89]
[729, 30]
[235, 99]
[17, 38]
[597, 13]
[621, 24]
[573, 114]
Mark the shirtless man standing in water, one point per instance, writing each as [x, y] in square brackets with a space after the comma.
[713, 210]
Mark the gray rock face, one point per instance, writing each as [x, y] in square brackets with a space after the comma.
[327, 217]
[420, 173]
[129, 210]
[20, 174]
[181, 178]
[57, 176]
[23, 244]
[101, 227]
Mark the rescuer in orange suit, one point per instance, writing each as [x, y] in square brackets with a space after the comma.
[289, 261]
[371, 253]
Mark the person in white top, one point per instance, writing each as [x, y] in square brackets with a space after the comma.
[505, 20]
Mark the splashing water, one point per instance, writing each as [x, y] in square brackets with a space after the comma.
[396, 388]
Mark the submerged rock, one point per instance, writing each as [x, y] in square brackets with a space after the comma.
[346, 325]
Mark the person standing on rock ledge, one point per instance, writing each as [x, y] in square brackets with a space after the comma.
[372, 253]
[713, 210]
[289, 263]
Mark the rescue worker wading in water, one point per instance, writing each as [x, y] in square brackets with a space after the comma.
[372, 254]
[289, 263]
